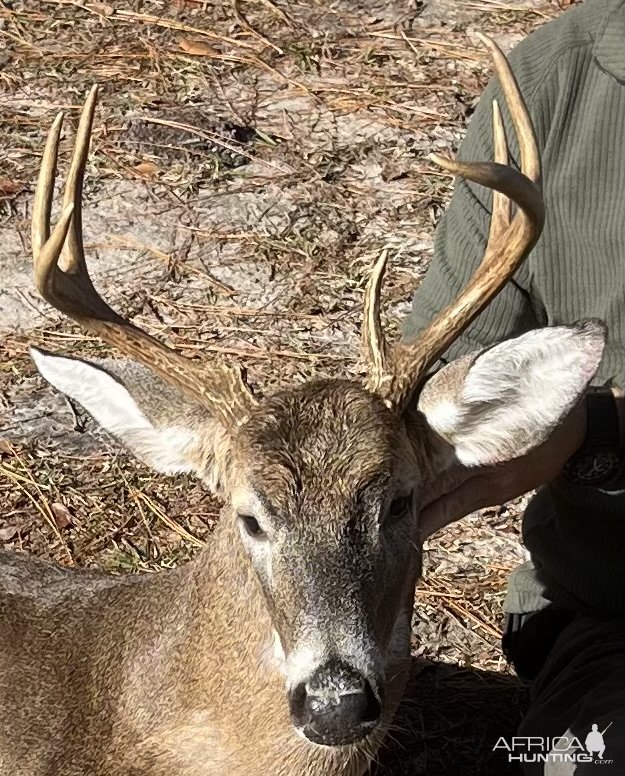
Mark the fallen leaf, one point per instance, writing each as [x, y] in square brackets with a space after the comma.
[394, 172]
[8, 533]
[102, 8]
[146, 168]
[62, 515]
[5, 447]
[196, 48]
[9, 187]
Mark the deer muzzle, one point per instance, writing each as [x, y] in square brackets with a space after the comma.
[336, 706]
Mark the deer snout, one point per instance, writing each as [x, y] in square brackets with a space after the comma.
[336, 706]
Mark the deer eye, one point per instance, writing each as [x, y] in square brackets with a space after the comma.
[252, 527]
[399, 507]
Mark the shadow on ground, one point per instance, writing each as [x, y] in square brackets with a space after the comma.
[450, 721]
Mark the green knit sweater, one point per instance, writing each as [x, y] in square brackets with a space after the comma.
[572, 75]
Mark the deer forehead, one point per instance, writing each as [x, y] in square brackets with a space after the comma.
[319, 444]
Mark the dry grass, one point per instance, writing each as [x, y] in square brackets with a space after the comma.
[319, 114]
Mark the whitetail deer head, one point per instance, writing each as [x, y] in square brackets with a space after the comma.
[325, 479]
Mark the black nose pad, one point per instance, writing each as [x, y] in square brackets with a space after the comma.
[336, 706]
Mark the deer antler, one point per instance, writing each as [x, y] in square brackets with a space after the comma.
[373, 340]
[398, 374]
[62, 280]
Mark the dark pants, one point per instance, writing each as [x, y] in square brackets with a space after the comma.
[578, 696]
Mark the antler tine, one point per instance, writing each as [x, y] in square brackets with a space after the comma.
[502, 206]
[528, 145]
[73, 255]
[64, 282]
[40, 227]
[374, 342]
[509, 241]
[68, 288]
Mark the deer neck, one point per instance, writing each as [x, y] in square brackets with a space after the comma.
[228, 630]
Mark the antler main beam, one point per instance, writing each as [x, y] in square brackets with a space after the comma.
[63, 280]
[399, 373]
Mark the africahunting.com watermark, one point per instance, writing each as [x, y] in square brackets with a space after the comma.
[567, 748]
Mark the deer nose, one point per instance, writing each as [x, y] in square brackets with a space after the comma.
[336, 706]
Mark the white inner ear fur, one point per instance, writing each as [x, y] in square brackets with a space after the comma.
[169, 449]
[507, 400]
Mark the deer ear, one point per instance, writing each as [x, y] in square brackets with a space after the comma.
[501, 403]
[148, 416]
